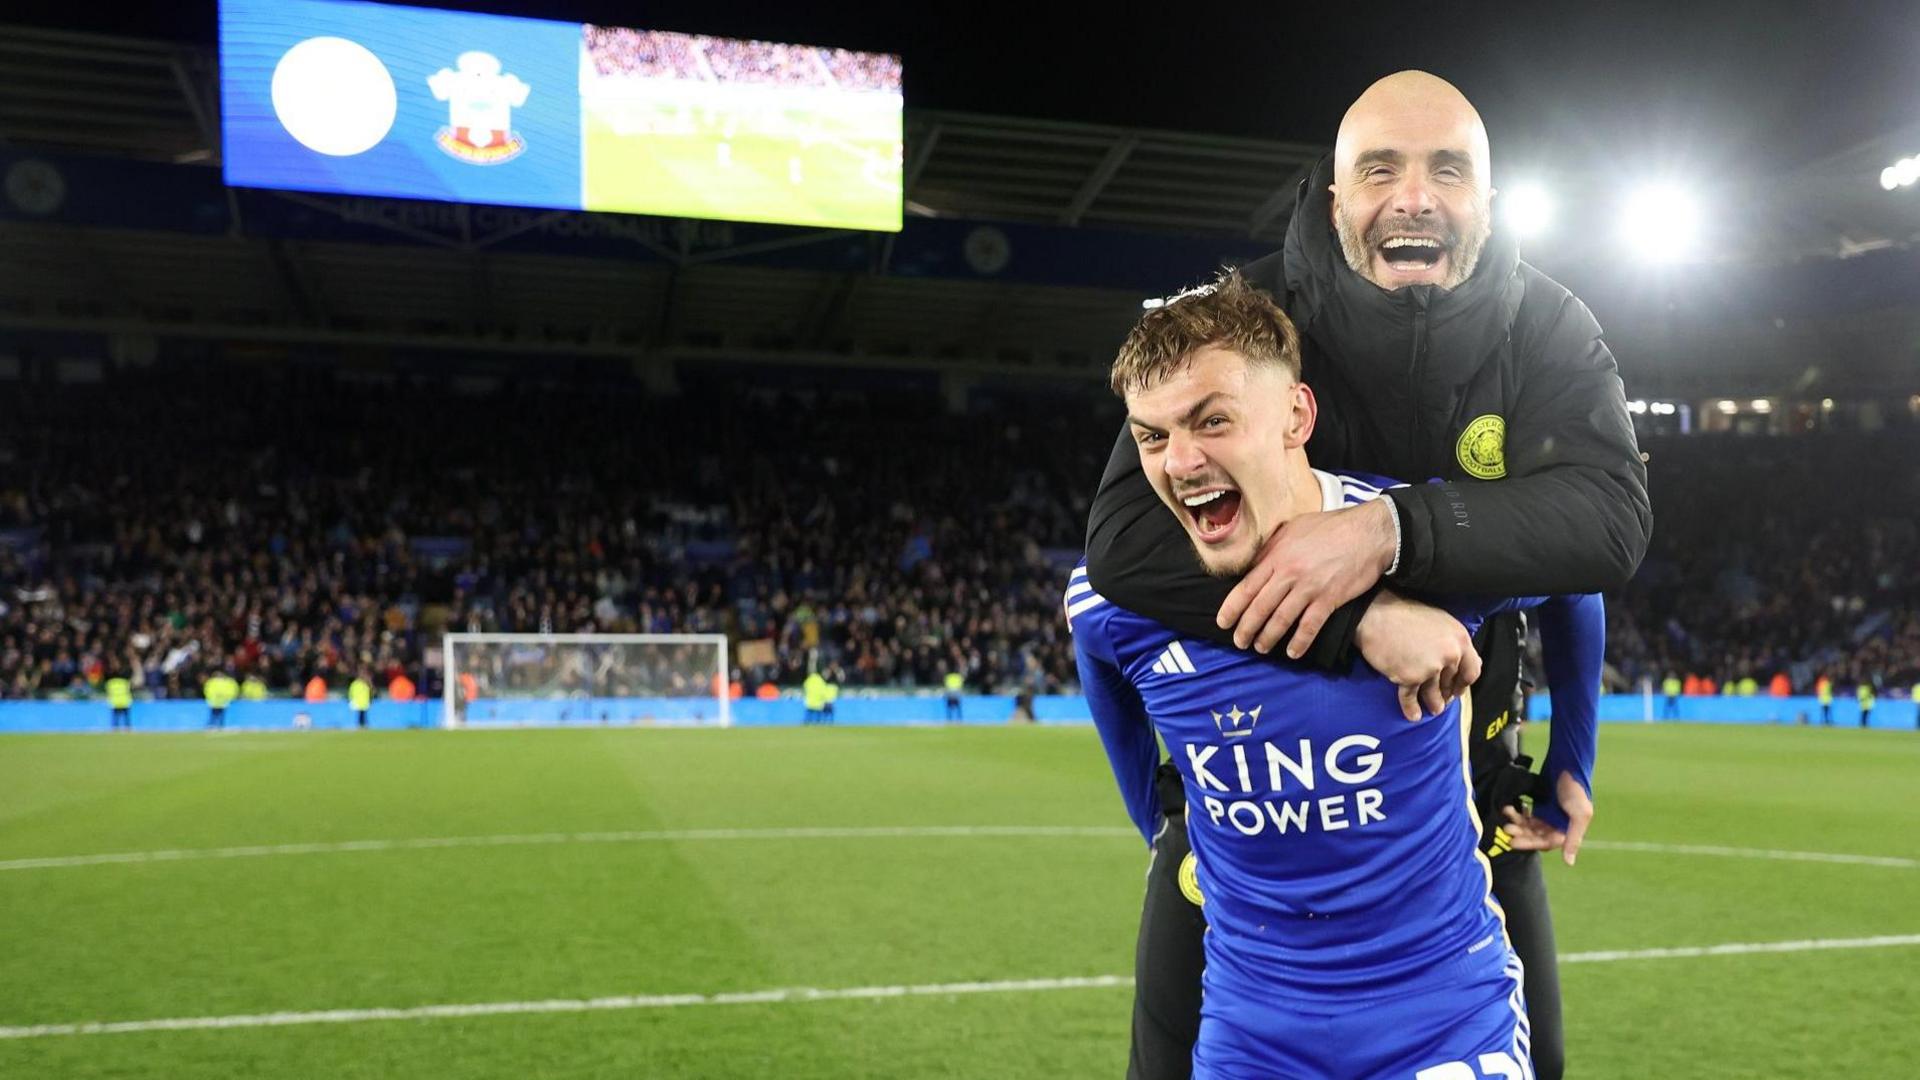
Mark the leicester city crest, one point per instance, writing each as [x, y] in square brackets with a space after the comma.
[1482, 449]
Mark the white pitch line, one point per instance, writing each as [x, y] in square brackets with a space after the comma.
[563, 1005]
[525, 839]
[1755, 853]
[808, 994]
[1742, 949]
[819, 833]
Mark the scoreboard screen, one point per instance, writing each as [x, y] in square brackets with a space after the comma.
[360, 98]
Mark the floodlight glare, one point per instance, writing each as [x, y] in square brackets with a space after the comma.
[1526, 210]
[1901, 173]
[1661, 223]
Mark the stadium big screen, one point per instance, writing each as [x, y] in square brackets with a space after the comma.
[375, 99]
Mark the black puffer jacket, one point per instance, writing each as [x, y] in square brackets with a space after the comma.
[1501, 387]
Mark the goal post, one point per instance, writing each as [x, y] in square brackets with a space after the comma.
[541, 680]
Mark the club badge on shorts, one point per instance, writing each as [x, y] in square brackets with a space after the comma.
[1482, 448]
[1190, 880]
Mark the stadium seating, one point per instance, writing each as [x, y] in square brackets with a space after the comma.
[303, 520]
[1777, 555]
[304, 523]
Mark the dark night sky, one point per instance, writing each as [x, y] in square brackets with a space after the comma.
[1701, 88]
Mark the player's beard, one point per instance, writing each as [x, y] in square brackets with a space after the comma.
[1463, 247]
[1237, 568]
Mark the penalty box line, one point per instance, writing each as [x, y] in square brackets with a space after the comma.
[810, 994]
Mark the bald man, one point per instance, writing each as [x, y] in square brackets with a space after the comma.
[1394, 233]
[1435, 352]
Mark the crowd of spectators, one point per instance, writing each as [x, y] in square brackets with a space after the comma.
[656, 54]
[647, 54]
[295, 523]
[1777, 556]
[765, 62]
[316, 527]
[864, 70]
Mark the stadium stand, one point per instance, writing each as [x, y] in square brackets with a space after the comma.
[1777, 555]
[322, 520]
[292, 527]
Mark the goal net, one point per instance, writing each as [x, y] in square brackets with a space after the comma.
[520, 680]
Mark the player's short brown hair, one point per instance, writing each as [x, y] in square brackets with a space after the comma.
[1227, 313]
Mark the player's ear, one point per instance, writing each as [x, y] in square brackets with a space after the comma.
[1301, 416]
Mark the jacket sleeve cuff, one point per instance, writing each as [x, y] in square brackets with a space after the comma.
[1413, 545]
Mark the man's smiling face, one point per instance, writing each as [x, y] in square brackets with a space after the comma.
[1213, 442]
[1412, 192]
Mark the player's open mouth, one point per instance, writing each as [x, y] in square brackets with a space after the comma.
[1214, 512]
[1413, 256]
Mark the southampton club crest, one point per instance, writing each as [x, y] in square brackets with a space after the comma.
[481, 100]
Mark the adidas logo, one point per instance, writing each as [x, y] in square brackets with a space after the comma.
[1174, 662]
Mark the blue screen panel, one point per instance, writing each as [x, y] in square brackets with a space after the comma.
[374, 99]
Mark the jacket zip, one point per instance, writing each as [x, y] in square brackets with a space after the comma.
[1413, 370]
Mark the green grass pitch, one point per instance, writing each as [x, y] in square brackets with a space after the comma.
[407, 926]
[699, 164]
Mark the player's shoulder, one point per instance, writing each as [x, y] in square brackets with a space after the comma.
[1100, 627]
[1114, 634]
[1085, 608]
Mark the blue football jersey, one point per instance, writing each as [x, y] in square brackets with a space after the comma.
[1336, 843]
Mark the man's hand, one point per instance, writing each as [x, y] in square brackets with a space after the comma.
[1309, 567]
[1423, 650]
[1531, 834]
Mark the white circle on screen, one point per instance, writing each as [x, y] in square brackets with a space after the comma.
[334, 96]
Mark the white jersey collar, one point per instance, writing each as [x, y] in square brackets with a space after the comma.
[1331, 495]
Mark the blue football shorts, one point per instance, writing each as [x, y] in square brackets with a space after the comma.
[1469, 1029]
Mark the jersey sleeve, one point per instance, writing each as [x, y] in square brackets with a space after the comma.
[1573, 645]
[1119, 715]
[1474, 610]
[1573, 642]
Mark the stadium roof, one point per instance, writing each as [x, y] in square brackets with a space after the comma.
[132, 100]
[159, 101]
[1083, 174]
[150, 101]
[156, 101]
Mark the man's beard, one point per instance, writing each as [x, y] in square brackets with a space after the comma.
[1233, 570]
[1463, 250]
